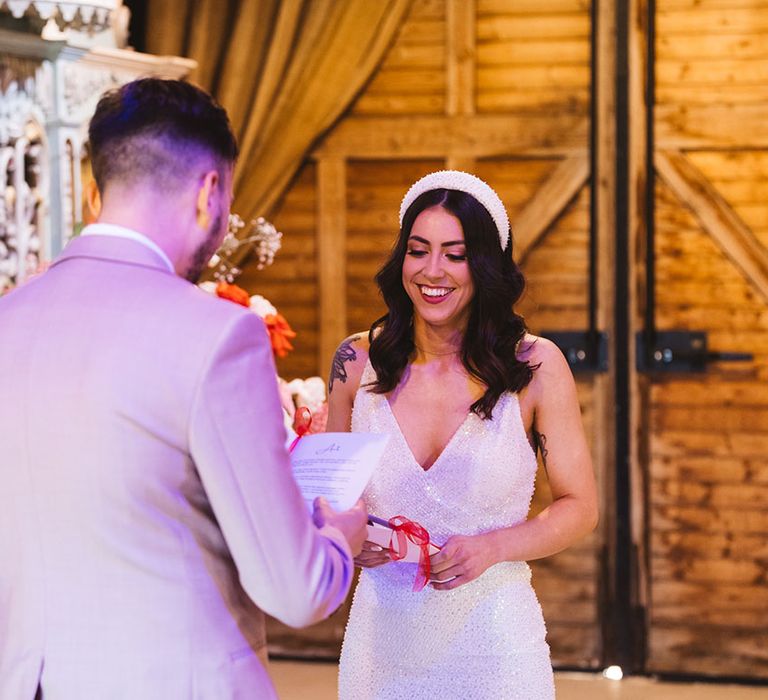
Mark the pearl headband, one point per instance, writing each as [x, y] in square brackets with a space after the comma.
[464, 182]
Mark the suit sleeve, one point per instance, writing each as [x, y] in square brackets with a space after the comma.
[288, 567]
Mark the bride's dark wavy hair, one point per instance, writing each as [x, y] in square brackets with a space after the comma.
[494, 330]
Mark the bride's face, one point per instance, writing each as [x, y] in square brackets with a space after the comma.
[436, 273]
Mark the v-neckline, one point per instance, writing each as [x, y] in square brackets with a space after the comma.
[400, 432]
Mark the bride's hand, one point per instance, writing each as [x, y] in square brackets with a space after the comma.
[461, 560]
[372, 555]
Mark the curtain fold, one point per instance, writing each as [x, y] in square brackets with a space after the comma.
[285, 70]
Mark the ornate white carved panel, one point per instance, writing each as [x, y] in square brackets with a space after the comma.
[91, 11]
[48, 92]
[23, 181]
[82, 85]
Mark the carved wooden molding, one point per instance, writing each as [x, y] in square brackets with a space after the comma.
[716, 216]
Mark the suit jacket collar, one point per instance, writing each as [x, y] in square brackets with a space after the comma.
[112, 249]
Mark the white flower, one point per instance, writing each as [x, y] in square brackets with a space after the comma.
[209, 287]
[262, 306]
[308, 392]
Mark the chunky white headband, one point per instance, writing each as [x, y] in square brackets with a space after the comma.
[464, 182]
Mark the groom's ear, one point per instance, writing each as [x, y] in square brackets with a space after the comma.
[93, 199]
[205, 198]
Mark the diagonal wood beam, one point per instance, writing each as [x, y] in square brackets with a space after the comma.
[554, 195]
[717, 217]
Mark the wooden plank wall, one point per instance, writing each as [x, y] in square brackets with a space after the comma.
[708, 471]
[375, 188]
[499, 87]
[291, 283]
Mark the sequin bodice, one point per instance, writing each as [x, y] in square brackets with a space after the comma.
[483, 479]
[482, 640]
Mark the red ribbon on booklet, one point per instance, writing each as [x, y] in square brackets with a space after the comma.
[302, 422]
[403, 528]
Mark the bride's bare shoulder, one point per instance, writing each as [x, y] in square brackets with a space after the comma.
[545, 358]
[349, 362]
[534, 349]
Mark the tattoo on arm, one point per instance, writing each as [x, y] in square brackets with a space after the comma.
[345, 353]
[541, 443]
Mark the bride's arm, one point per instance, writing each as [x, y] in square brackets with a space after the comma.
[344, 379]
[573, 512]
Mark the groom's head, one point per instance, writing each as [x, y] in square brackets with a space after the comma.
[167, 146]
[158, 130]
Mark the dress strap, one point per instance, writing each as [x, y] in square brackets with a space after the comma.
[368, 375]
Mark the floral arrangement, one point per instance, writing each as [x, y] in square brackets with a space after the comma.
[263, 237]
[280, 332]
[299, 393]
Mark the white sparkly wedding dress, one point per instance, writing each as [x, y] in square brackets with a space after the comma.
[483, 640]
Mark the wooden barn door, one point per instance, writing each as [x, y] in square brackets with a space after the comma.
[702, 239]
[629, 141]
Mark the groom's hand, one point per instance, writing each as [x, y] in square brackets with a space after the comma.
[351, 522]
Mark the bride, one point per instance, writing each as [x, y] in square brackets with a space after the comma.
[468, 397]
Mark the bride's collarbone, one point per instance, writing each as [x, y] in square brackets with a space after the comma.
[429, 415]
[436, 396]
[453, 387]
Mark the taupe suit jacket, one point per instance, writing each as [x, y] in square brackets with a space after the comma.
[146, 499]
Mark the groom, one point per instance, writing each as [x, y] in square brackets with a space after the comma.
[146, 499]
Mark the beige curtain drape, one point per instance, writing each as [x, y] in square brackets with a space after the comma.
[284, 69]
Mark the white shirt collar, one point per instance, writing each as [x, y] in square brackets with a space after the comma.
[123, 232]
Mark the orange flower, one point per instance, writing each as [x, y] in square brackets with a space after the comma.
[280, 334]
[233, 293]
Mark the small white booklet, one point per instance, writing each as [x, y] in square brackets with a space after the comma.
[336, 466]
[381, 532]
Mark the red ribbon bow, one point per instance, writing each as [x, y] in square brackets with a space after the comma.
[302, 422]
[404, 529]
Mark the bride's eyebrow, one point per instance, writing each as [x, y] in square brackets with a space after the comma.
[442, 245]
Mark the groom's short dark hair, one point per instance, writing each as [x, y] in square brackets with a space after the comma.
[157, 130]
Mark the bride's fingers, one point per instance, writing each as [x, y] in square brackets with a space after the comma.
[369, 546]
[440, 566]
[448, 572]
[370, 559]
[370, 564]
[374, 555]
[447, 585]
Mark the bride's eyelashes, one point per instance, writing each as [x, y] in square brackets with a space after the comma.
[453, 257]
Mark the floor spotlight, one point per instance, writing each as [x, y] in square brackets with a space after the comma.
[613, 673]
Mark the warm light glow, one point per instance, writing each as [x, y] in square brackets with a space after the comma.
[613, 673]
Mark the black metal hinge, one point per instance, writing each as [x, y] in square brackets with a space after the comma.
[585, 351]
[679, 351]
